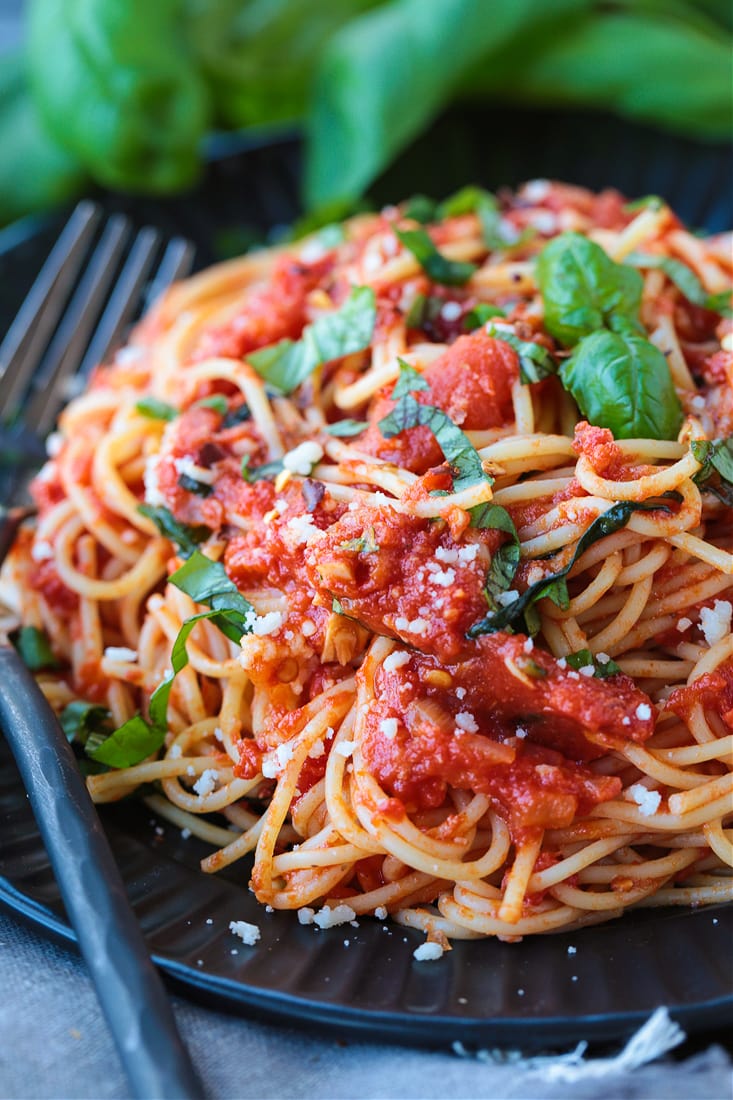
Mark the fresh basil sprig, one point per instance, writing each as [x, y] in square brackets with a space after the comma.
[287, 364]
[437, 266]
[622, 382]
[585, 659]
[34, 648]
[618, 378]
[685, 280]
[716, 457]
[555, 587]
[535, 361]
[155, 409]
[186, 537]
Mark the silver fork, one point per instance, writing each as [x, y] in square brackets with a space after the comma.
[75, 315]
[73, 318]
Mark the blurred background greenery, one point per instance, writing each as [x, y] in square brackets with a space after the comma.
[127, 94]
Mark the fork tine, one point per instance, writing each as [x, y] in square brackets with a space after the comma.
[177, 261]
[22, 348]
[67, 346]
[123, 300]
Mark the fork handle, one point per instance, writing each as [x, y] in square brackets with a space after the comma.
[127, 984]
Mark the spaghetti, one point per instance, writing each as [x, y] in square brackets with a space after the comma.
[341, 554]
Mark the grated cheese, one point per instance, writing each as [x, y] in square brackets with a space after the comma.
[206, 782]
[647, 801]
[119, 653]
[466, 721]
[263, 624]
[715, 621]
[248, 933]
[428, 951]
[396, 660]
[388, 726]
[303, 458]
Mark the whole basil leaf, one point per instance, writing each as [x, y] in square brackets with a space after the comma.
[344, 331]
[622, 382]
[582, 288]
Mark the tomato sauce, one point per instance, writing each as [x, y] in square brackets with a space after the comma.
[404, 576]
[276, 312]
[471, 382]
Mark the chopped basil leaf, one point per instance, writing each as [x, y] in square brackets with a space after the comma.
[535, 361]
[437, 266]
[455, 444]
[468, 200]
[155, 409]
[582, 288]
[585, 659]
[716, 458]
[621, 381]
[344, 331]
[480, 314]
[237, 415]
[216, 401]
[409, 381]
[685, 280]
[646, 202]
[267, 472]
[185, 537]
[530, 668]
[207, 582]
[505, 560]
[337, 607]
[34, 648]
[342, 429]
[191, 485]
[424, 310]
[79, 720]
[555, 586]
[130, 744]
[420, 208]
[365, 544]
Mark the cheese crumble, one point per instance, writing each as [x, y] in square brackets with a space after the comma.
[248, 933]
[426, 952]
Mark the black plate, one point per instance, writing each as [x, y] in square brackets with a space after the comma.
[596, 984]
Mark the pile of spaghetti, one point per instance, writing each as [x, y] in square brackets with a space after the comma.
[402, 558]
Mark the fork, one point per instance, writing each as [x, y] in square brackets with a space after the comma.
[75, 315]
